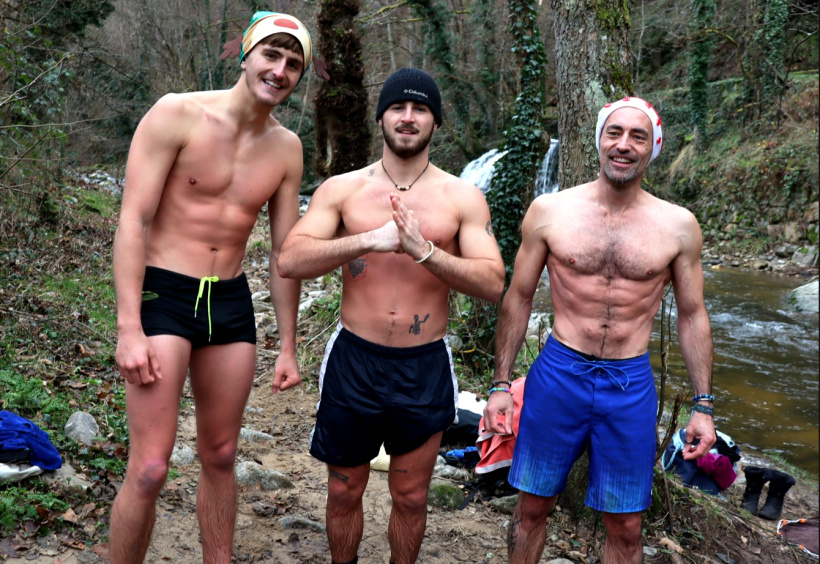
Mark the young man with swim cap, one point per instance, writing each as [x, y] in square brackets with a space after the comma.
[405, 233]
[610, 249]
[201, 167]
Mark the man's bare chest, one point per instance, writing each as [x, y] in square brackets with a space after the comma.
[633, 253]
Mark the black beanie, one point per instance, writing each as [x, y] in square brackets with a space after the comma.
[410, 84]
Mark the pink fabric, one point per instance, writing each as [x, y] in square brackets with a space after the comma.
[719, 467]
[497, 450]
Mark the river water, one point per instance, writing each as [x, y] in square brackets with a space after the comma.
[766, 364]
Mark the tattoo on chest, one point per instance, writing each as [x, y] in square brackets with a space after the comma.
[415, 328]
[371, 172]
[357, 268]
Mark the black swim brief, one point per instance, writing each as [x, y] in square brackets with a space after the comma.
[371, 394]
[206, 312]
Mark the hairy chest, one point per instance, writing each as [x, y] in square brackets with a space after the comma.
[633, 252]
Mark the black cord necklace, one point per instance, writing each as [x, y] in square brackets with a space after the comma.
[405, 188]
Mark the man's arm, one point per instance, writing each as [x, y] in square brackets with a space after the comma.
[479, 270]
[694, 332]
[311, 249]
[283, 211]
[153, 151]
[515, 313]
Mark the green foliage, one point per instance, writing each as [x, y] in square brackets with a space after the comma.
[67, 17]
[19, 504]
[772, 42]
[701, 47]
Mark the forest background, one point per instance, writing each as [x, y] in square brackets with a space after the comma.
[735, 81]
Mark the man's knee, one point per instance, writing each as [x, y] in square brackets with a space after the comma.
[343, 493]
[218, 456]
[410, 500]
[148, 476]
[533, 507]
[623, 528]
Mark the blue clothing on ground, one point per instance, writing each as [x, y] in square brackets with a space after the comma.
[573, 403]
[18, 433]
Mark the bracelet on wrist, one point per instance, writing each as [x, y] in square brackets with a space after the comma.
[497, 382]
[427, 256]
[703, 397]
[508, 390]
[710, 411]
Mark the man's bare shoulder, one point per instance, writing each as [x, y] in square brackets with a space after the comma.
[458, 189]
[341, 186]
[672, 213]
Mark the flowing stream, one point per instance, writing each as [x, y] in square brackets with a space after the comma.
[766, 374]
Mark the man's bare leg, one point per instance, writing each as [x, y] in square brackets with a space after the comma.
[221, 379]
[528, 528]
[344, 515]
[409, 480]
[623, 538]
[152, 428]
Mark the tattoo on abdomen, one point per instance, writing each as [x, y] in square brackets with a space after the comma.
[415, 328]
[357, 268]
[340, 476]
[489, 228]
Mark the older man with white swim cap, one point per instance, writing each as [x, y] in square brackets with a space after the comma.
[200, 168]
[610, 249]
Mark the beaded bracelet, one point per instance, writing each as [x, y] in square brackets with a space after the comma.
[508, 390]
[704, 397]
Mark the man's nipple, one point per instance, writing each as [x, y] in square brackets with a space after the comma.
[571, 260]
[191, 180]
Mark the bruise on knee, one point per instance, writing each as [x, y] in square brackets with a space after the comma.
[150, 476]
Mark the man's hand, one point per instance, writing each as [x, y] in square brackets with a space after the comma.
[409, 230]
[498, 413]
[701, 426]
[285, 373]
[136, 359]
[386, 238]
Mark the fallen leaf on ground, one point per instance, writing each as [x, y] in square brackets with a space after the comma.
[671, 545]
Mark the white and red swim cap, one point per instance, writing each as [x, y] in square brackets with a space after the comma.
[637, 103]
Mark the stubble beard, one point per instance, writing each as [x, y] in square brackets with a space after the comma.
[405, 150]
[619, 180]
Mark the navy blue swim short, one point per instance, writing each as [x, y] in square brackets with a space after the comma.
[371, 394]
[202, 311]
[573, 402]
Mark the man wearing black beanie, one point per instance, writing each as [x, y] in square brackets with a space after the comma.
[404, 233]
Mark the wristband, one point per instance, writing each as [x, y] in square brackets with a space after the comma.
[497, 382]
[710, 411]
[509, 391]
[427, 256]
[703, 397]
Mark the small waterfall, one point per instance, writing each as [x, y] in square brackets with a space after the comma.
[480, 171]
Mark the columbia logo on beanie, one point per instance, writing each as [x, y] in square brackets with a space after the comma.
[410, 84]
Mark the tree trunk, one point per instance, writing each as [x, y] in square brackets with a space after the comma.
[341, 106]
[594, 66]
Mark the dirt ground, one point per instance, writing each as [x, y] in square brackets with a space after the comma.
[707, 529]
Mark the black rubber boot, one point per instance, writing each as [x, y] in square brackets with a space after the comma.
[756, 477]
[779, 484]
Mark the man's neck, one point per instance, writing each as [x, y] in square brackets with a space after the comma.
[404, 166]
[616, 197]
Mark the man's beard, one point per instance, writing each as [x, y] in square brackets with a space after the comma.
[626, 178]
[405, 150]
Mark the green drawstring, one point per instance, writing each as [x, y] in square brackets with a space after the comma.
[202, 282]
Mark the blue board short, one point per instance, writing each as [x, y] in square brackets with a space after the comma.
[371, 394]
[172, 305]
[573, 402]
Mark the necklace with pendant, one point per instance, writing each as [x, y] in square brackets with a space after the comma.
[405, 188]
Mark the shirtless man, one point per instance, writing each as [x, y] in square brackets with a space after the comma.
[387, 375]
[610, 249]
[200, 168]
